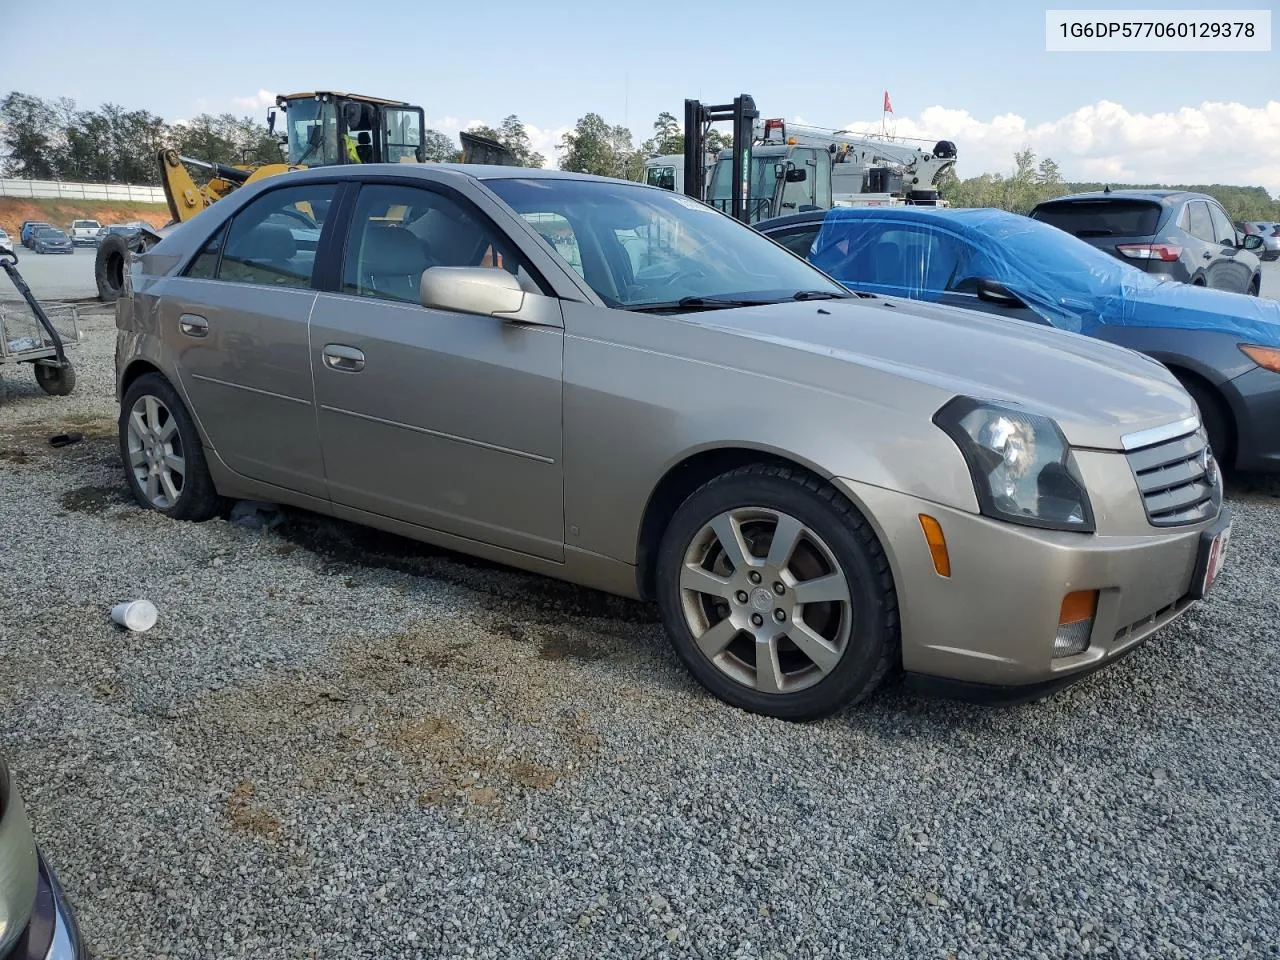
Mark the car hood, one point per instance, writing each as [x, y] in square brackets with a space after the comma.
[1097, 392]
[1170, 304]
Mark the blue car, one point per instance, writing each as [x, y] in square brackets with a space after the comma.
[1223, 347]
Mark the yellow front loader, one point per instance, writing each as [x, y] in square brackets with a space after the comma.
[321, 128]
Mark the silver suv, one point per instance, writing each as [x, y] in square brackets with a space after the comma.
[619, 386]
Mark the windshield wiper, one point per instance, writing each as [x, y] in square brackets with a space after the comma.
[819, 295]
[698, 303]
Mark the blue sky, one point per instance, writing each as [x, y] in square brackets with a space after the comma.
[550, 63]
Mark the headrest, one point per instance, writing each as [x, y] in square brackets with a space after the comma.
[272, 242]
[392, 250]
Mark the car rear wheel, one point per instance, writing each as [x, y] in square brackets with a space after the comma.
[162, 454]
[777, 595]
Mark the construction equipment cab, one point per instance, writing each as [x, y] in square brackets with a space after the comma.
[325, 128]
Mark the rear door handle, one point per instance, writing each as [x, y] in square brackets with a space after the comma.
[193, 325]
[1208, 254]
[344, 358]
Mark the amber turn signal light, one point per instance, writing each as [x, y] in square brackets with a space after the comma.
[1266, 357]
[937, 544]
[1078, 606]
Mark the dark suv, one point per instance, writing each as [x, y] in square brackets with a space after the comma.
[1186, 236]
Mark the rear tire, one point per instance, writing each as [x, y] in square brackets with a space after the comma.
[792, 658]
[56, 381]
[157, 431]
[109, 265]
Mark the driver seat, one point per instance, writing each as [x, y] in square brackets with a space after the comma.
[392, 261]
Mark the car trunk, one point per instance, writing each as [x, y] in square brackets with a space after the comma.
[1107, 223]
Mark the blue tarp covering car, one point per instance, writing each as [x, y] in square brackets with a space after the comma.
[1071, 284]
[1224, 347]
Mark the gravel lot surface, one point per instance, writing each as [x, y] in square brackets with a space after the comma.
[341, 744]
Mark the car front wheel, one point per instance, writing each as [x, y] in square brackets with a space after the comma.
[163, 457]
[777, 595]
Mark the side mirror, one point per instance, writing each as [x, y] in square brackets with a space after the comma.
[1252, 242]
[797, 175]
[486, 292]
[998, 293]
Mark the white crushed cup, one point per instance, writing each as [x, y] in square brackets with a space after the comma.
[136, 615]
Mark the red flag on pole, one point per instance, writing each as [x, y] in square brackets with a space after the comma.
[888, 107]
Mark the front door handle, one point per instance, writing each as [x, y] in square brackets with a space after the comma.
[193, 325]
[1208, 254]
[343, 358]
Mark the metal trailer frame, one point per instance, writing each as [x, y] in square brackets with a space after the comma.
[51, 352]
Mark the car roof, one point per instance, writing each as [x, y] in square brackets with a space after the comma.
[473, 171]
[963, 216]
[1161, 196]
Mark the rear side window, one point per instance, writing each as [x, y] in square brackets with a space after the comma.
[798, 240]
[1102, 218]
[273, 240]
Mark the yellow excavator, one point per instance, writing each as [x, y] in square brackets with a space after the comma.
[321, 128]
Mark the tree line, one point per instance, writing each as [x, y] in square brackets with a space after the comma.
[56, 140]
[1032, 181]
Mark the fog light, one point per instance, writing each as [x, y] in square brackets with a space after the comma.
[1075, 622]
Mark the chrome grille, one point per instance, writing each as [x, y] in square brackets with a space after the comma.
[1178, 479]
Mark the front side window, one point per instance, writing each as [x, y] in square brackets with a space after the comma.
[273, 240]
[650, 249]
[664, 177]
[1223, 231]
[397, 232]
[1199, 223]
[902, 259]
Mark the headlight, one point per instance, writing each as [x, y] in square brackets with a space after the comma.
[1021, 465]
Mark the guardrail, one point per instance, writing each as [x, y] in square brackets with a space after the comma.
[58, 190]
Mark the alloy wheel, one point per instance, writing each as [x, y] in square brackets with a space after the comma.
[155, 452]
[766, 600]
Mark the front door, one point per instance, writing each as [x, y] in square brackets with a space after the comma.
[446, 420]
[237, 322]
[1236, 265]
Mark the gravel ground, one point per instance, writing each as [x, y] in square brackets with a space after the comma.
[340, 744]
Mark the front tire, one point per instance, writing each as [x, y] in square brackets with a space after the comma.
[818, 628]
[1214, 419]
[163, 458]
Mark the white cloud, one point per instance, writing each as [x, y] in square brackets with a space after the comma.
[1215, 142]
[258, 101]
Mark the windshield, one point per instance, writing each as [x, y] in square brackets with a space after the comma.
[313, 133]
[641, 248]
[763, 180]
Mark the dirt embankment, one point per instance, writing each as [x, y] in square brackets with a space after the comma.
[60, 213]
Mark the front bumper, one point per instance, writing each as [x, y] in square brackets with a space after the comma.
[53, 933]
[991, 625]
[1256, 405]
[36, 921]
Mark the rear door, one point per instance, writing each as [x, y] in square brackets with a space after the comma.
[446, 420]
[236, 322]
[1235, 265]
